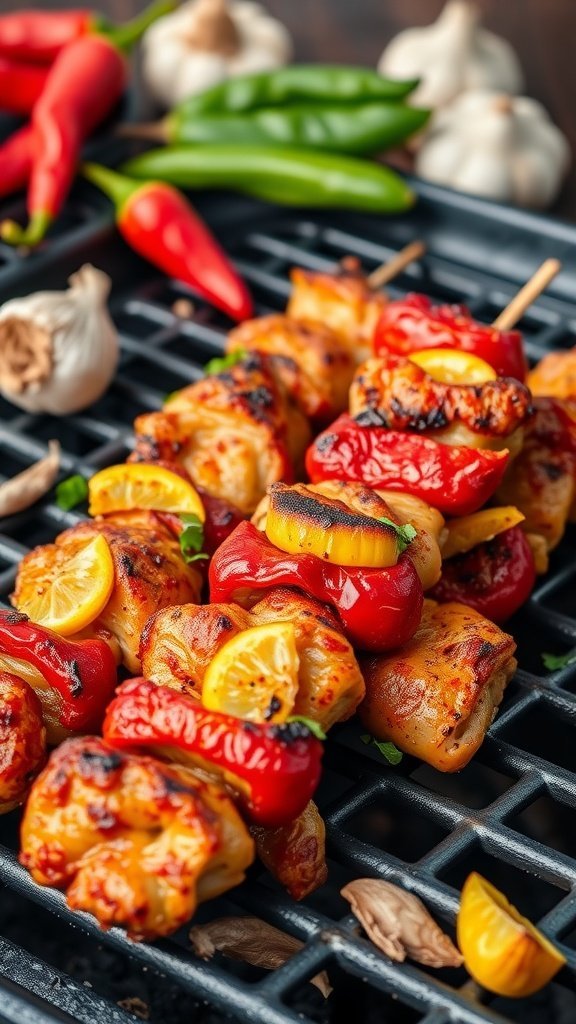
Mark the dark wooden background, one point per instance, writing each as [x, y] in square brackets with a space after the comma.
[356, 31]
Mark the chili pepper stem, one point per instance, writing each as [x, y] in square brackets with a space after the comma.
[116, 186]
[155, 131]
[31, 235]
[125, 36]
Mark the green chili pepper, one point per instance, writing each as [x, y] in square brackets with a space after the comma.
[352, 128]
[291, 177]
[297, 82]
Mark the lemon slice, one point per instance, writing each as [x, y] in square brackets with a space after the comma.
[255, 675]
[465, 533]
[138, 485]
[71, 588]
[502, 950]
[451, 366]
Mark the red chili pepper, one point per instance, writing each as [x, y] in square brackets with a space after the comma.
[414, 323]
[39, 36]
[379, 609]
[274, 768]
[494, 578]
[16, 155]
[81, 673]
[454, 479]
[159, 224]
[20, 85]
[83, 86]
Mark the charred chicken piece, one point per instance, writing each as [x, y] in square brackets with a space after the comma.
[436, 697]
[541, 481]
[343, 301]
[134, 842]
[234, 433]
[179, 643]
[311, 359]
[296, 853]
[149, 574]
[555, 375]
[22, 739]
[394, 392]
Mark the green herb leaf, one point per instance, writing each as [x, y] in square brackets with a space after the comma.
[71, 492]
[388, 750]
[222, 363]
[314, 728]
[192, 538]
[553, 662]
[172, 395]
[404, 534]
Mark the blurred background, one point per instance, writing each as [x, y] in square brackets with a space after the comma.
[543, 33]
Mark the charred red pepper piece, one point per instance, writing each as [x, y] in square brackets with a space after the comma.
[20, 85]
[16, 155]
[159, 223]
[81, 673]
[274, 768]
[379, 609]
[414, 323]
[495, 578]
[454, 479]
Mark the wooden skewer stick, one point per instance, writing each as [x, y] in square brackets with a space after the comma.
[386, 271]
[527, 295]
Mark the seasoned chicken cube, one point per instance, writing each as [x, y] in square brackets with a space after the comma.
[135, 842]
[149, 573]
[22, 739]
[436, 697]
[555, 375]
[296, 853]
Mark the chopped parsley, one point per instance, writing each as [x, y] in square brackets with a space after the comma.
[222, 363]
[554, 662]
[388, 750]
[314, 728]
[71, 492]
[192, 538]
[404, 534]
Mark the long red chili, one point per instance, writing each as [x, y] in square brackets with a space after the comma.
[274, 768]
[16, 156]
[454, 479]
[160, 224]
[21, 85]
[81, 673]
[40, 36]
[379, 609]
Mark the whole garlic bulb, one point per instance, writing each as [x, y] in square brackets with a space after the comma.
[204, 42]
[59, 350]
[497, 146]
[451, 55]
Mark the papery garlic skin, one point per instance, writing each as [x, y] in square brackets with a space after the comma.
[74, 368]
[497, 146]
[176, 63]
[452, 55]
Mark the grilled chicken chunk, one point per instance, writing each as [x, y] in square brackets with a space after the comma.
[555, 375]
[436, 697]
[343, 301]
[234, 433]
[312, 360]
[394, 392]
[179, 643]
[149, 574]
[22, 739]
[135, 842]
[296, 853]
[541, 481]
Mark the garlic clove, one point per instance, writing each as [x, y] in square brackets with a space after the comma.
[33, 483]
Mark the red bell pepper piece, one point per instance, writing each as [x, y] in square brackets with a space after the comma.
[494, 578]
[16, 155]
[160, 224]
[39, 36]
[83, 86]
[414, 323]
[454, 479]
[20, 85]
[81, 673]
[274, 768]
[379, 609]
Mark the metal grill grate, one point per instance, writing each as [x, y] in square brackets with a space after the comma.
[510, 814]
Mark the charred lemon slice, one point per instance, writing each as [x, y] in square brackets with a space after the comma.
[138, 485]
[451, 366]
[302, 522]
[71, 588]
[255, 675]
[502, 950]
[465, 533]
